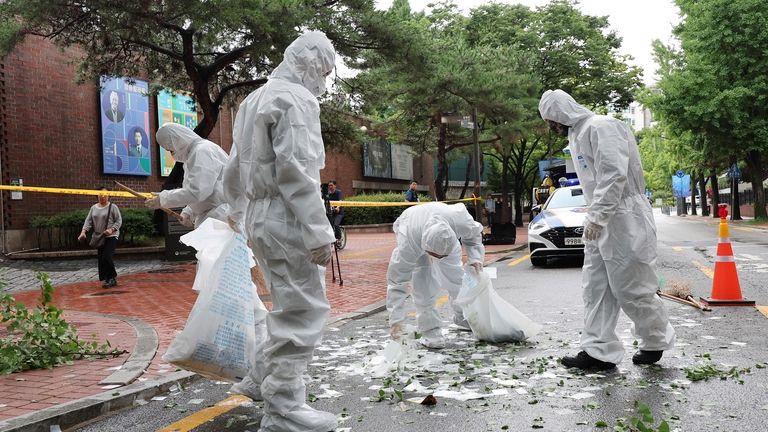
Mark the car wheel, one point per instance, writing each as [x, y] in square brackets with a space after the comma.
[538, 261]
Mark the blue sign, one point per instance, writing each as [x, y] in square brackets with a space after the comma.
[680, 173]
[681, 185]
[734, 171]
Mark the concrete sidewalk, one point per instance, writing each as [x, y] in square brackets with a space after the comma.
[142, 315]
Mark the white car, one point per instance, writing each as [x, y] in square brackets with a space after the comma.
[557, 230]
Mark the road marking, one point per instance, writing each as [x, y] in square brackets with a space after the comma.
[763, 310]
[706, 270]
[677, 248]
[440, 301]
[519, 260]
[205, 415]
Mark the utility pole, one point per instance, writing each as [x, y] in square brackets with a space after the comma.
[476, 141]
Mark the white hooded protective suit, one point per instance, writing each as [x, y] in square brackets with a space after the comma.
[432, 227]
[619, 267]
[272, 183]
[201, 191]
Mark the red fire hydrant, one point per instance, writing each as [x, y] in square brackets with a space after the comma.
[722, 211]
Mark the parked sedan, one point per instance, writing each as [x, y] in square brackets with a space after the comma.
[557, 229]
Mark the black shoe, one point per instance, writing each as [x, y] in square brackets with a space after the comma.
[646, 357]
[110, 283]
[104, 285]
[582, 360]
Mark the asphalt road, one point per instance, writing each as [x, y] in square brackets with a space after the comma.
[522, 386]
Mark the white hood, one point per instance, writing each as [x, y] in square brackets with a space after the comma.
[177, 139]
[560, 107]
[307, 61]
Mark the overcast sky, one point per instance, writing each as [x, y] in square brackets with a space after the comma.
[638, 22]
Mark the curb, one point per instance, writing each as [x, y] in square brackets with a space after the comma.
[143, 352]
[80, 253]
[77, 412]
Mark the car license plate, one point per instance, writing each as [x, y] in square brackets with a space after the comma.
[572, 241]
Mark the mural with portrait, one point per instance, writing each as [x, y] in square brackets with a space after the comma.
[174, 107]
[124, 125]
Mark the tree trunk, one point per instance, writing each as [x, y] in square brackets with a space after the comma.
[703, 195]
[442, 165]
[715, 194]
[693, 194]
[755, 164]
[466, 177]
[506, 217]
[735, 201]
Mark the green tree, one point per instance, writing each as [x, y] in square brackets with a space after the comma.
[718, 84]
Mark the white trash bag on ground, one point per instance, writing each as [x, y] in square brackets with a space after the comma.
[221, 333]
[490, 317]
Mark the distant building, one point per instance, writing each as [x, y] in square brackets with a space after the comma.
[636, 116]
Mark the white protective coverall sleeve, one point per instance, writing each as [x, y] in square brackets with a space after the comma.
[470, 232]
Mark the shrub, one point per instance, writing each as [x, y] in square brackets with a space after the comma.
[137, 225]
[373, 215]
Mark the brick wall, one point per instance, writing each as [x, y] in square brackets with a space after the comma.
[51, 133]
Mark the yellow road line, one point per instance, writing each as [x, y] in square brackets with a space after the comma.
[763, 310]
[189, 423]
[677, 248]
[518, 261]
[706, 270]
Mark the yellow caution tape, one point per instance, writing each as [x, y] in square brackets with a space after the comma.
[71, 191]
[390, 204]
[117, 193]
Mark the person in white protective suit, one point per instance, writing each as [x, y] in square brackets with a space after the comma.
[428, 256]
[620, 237]
[202, 194]
[272, 183]
[201, 190]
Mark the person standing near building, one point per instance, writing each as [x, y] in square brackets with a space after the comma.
[337, 212]
[490, 209]
[272, 184]
[105, 218]
[410, 194]
[620, 237]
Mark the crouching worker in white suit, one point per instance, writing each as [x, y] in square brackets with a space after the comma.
[620, 237]
[202, 194]
[428, 256]
[272, 184]
[201, 190]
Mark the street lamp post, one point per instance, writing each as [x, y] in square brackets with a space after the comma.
[476, 142]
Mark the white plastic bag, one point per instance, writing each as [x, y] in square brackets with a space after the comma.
[220, 336]
[490, 317]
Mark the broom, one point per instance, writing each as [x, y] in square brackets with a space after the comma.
[681, 292]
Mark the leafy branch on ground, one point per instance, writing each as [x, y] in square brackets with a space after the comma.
[644, 422]
[41, 338]
[705, 372]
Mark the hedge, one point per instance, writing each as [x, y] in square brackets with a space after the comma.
[61, 230]
[373, 215]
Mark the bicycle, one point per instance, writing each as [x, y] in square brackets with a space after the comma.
[341, 243]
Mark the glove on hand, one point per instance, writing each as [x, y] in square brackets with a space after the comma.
[592, 231]
[153, 203]
[187, 221]
[395, 331]
[320, 256]
[478, 266]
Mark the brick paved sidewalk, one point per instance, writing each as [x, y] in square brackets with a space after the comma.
[163, 298]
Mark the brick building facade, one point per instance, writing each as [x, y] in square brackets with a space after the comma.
[50, 136]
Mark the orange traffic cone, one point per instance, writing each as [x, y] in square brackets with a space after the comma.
[726, 290]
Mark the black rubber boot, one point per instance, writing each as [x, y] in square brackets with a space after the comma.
[584, 361]
[646, 357]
